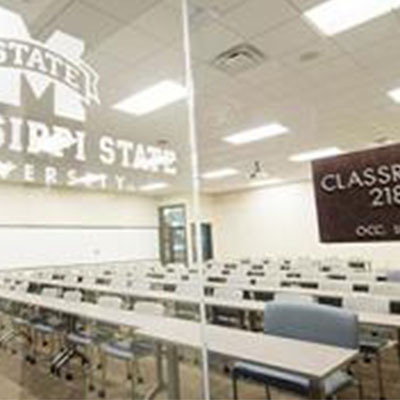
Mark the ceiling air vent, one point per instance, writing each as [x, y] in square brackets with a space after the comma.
[238, 59]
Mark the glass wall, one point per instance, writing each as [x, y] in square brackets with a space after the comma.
[169, 167]
[294, 102]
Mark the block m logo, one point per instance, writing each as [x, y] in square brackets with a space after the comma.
[56, 63]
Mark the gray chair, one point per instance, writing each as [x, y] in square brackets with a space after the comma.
[126, 347]
[309, 322]
[393, 275]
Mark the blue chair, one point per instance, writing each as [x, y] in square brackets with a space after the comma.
[309, 322]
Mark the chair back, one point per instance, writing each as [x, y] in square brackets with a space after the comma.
[367, 303]
[312, 322]
[21, 286]
[385, 289]
[189, 289]
[73, 295]
[228, 293]
[50, 292]
[335, 285]
[149, 307]
[293, 297]
[139, 285]
[270, 280]
[110, 302]
[71, 277]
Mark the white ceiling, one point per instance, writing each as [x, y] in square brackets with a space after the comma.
[337, 99]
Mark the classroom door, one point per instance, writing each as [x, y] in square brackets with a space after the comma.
[173, 243]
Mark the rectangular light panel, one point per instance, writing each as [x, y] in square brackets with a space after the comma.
[220, 173]
[316, 154]
[153, 186]
[335, 16]
[395, 95]
[152, 98]
[266, 182]
[256, 134]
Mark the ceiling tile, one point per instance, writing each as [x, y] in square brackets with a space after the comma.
[162, 21]
[253, 17]
[332, 69]
[211, 40]
[123, 10]
[380, 54]
[130, 45]
[271, 69]
[217, 7]
[365, 35]
[285, 38]
[30, 11]
[83, 22]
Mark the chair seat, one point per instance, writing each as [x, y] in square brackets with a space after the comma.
[80, 338]
[44, 328]
[127, 350]
[289, 381]
[21, 321]
[121, 350]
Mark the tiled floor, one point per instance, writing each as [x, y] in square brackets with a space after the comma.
[22, 381]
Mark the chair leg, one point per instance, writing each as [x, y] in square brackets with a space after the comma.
[267, 393]
[90, 357]
[102, 392]
[133, 369]
[379, 374]
[360, 389]
[128, 370]
[235, 387]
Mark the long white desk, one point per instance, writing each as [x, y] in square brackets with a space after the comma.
[391, 321]
[284, 354]
[250, 305]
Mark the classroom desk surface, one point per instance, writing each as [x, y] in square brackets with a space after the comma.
[309, 359]
[377, 319]
[286, 354]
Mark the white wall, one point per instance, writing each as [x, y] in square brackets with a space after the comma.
[36, 205]
[282, 221]
[35, 226]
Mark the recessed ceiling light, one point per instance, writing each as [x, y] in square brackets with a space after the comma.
[220, 173]
[153, 186]
[335, 16]
[265, 182]
[316, 154]
[256, 134]
[152, 98]
[395, 95]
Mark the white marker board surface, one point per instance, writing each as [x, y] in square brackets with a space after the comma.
[36, 246]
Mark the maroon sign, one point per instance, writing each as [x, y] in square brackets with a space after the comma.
[358, 196]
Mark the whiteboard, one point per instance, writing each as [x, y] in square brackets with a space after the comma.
[38, 246]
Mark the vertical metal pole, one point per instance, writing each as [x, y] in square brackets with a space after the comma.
[198, 251]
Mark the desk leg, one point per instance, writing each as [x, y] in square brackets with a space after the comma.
[316, 391]
[398, 345]
[160, 385]
[173, 373]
